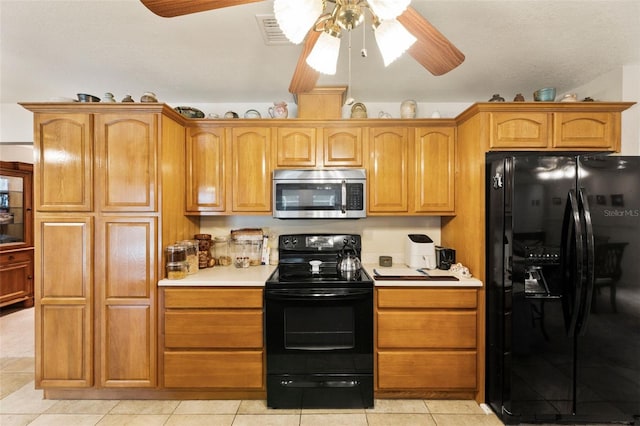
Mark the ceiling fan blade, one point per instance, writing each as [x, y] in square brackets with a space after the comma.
[171, 8]
[432, 49]
[304, 77]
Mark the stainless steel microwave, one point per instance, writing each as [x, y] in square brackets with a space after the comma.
[319, 194]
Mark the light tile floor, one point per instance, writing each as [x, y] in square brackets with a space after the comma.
[21, 404]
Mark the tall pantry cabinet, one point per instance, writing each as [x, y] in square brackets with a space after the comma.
[108, 196]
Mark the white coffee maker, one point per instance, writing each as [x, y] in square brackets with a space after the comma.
[420, 252]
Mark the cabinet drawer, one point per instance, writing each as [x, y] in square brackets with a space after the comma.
[427, 298]
[213, 329]
[419, 329]
[15, 257]
[213, 298]
[427, 370]
[232, 369]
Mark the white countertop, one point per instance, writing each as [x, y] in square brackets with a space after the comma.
[224, 276]
[256, 276]
[462, 281]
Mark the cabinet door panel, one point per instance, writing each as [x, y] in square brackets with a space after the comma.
[424, 329]
[127, 250]
[127, 160]
[63, 153]
[296, 147]
[220, 369]
[205, 170]
[584, 130]
[343, 147]
[64, 355]
[388, 171]
[128, 347]
[213, 329]
[251, 169]
[435, 166]
[446, 370]
[126, 276]
[519, 130]
[64, 262]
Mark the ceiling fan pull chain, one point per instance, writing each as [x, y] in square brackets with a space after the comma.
[363, 52]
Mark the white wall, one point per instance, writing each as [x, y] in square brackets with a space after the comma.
[621, 84]
[16, 152]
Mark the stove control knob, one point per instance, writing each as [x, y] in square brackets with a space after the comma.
[294, 242]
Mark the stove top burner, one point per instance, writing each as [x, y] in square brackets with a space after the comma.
[301, 276]
[296, 253]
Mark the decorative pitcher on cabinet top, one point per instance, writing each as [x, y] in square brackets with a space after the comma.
[279, 110]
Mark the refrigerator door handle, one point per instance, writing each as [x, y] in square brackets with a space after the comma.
[585, 211]
[572, 305]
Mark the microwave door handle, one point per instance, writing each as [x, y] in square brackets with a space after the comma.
[344, 197]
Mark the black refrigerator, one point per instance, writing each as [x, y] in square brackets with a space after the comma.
[563, 288]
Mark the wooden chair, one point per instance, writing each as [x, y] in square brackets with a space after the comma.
[608, 257]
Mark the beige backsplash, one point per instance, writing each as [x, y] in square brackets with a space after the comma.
[380, 235]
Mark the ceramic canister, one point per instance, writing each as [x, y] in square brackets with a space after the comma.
[408, 108]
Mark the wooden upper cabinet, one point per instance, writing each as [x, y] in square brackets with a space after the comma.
[515, 130]
[126, 155]
[388, 170]
[434, 170]
[251, 169]
[63, 173]
[318, 147]
[342, 147]
[205, 186]
[585, 130]
[561, 130]
[295, 147]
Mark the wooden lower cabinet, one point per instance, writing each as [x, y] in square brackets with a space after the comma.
[212, 339]
[16, 277]
[426, 342]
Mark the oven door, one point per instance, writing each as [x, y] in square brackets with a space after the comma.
[319, 347]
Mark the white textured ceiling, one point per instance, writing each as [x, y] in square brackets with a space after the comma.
[58, 48]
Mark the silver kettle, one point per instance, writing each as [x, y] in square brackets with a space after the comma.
[348, 262]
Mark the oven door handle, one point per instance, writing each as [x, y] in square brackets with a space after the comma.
[306, 294]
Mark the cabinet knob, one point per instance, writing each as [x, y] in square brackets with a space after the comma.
[11, 257]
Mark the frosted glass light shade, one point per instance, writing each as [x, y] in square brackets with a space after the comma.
[324, 56]
[388, 9]
[393, 40]
[296, 17]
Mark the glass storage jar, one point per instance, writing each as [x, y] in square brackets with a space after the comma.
[177, 270]
[191, 248]
[221, 245]
[175, 253]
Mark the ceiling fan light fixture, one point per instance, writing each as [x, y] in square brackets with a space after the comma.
[324, 56]
[393, 39]
[388, 9]
[296, 17]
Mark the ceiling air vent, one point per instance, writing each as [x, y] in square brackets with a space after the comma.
[271, 32]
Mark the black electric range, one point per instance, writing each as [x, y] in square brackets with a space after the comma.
[318, 326]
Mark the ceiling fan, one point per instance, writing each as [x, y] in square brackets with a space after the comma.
[431, 48]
